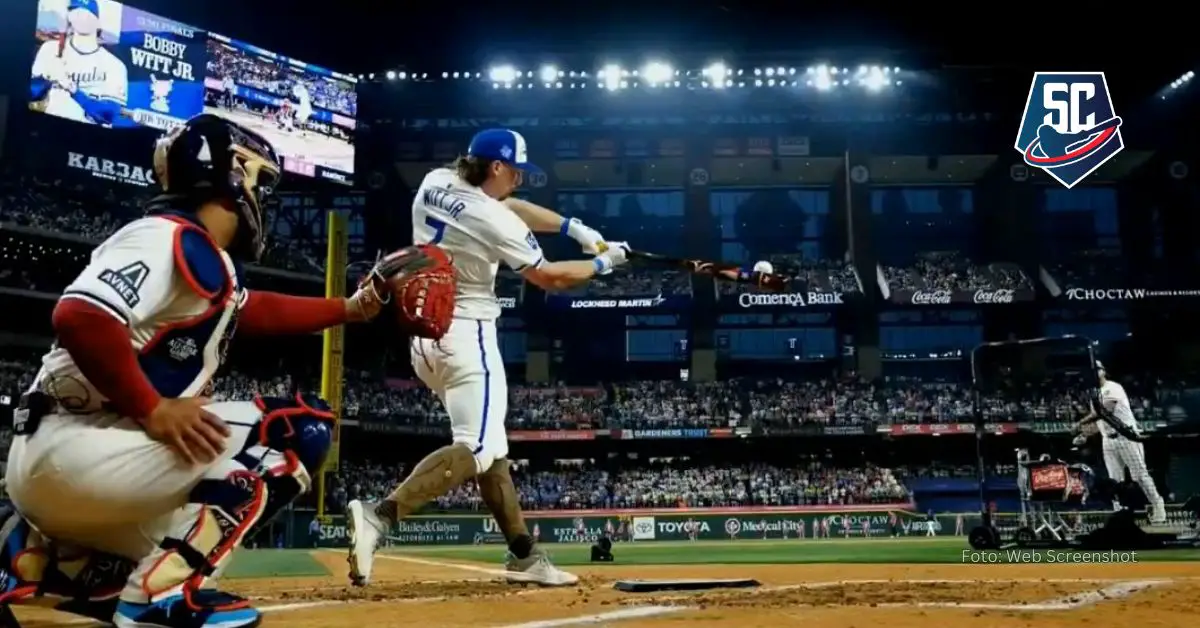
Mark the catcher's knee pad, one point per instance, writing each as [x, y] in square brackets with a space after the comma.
[300, 427]
[224, 506]
[293, 438]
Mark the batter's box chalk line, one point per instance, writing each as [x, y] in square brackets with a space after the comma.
[1115, 589]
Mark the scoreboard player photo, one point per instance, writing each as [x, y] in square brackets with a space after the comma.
[75, 74]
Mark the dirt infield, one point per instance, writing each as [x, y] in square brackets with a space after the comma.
[416, 591]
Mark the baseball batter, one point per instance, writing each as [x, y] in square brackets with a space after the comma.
[1121, 453]
[145, 488]
[75, 77]
[229, 95]
[465, 209]
[297, 113]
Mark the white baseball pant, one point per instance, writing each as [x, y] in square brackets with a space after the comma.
[465, 370]
[98, 481]
[1121, 454]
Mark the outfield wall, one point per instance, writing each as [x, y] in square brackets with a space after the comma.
[586, 526]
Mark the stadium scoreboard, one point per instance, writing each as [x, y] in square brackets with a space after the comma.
[108, 64]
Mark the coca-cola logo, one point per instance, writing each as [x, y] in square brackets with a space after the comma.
[994, 296]
[931, 297]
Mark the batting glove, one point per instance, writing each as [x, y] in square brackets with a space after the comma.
[589, 239]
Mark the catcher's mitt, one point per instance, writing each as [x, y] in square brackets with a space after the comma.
[420, 280]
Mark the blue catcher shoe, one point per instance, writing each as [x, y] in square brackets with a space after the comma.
[218, 610]
[16, 557]
[33, 572]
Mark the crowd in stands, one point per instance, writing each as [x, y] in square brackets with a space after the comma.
[674, 404]
[639, 282]
[276, 78]
[950, 270]
[1090, 268]
[821, 275]
[95, 211]
[656, 484]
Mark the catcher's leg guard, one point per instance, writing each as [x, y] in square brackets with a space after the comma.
[292, 440]
[36, 571]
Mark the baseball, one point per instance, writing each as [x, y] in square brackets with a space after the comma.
[764, 267]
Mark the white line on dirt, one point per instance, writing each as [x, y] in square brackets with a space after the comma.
[1086, 598]
[275, 593]
[1116, 589]
[627, 613]
[437, 563]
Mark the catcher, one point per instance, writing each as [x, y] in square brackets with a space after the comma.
[131, 490]
[465, 229]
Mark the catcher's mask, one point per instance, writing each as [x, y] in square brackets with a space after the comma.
[210, 157]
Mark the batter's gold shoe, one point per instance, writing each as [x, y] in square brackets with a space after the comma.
[365, 530]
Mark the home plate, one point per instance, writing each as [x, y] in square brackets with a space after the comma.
[697, 584]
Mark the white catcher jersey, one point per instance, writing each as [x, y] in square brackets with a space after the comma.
[99, 74]
[479, 232]
[1116, 402]
[178, 294]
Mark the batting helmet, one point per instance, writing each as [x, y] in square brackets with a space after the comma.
[210, 158]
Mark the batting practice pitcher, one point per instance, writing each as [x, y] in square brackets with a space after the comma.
[465, 221]
[131, 491]
[1121, 451]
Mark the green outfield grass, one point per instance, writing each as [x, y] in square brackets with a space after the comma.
[882, 550]
[273, 563]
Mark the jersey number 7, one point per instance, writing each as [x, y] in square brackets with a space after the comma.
[439, 229]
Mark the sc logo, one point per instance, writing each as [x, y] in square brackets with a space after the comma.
[1066, 102]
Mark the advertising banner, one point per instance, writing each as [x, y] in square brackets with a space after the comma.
[663, 433]
[794, 146]
[782, 300]
[846, 430]
[109, 169]
[551, 435]
[387, 427]
[1123, 294]
[623, 303]
[734, 524]
[948, 297]
[938, 429]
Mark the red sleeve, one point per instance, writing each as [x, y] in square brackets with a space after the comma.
[100, 346]
[271, 313]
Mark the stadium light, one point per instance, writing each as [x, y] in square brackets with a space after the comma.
[874, 78]
[717, 75]
[821, 77]
[656, 73]
[503, 74]
[612, 76]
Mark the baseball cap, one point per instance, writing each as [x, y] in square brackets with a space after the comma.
[92, 6]
[504, 145]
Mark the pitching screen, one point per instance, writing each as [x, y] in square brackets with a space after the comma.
[103, 63]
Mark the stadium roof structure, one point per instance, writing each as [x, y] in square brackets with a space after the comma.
[690, 35]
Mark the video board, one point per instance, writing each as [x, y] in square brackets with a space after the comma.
[104, 63]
